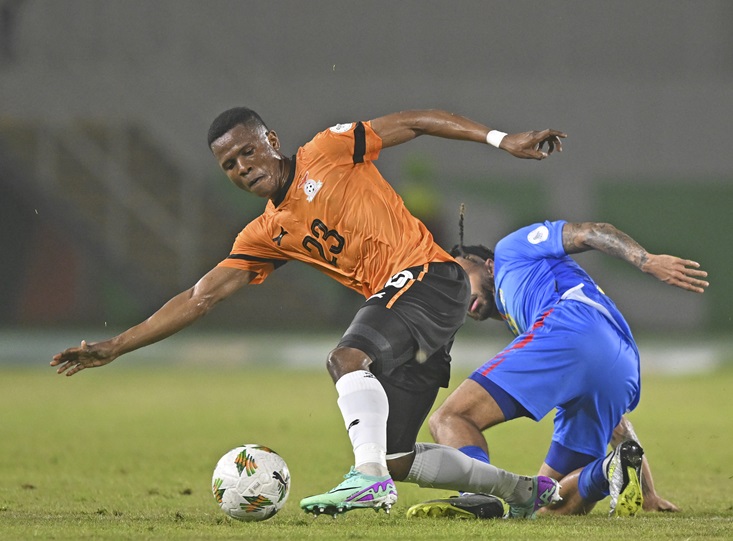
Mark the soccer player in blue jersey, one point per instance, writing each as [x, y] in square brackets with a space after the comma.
[573, 351]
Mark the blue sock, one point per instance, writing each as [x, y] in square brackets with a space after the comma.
[474, 451]
[592, 483]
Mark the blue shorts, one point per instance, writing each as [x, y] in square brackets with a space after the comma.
[575, 360]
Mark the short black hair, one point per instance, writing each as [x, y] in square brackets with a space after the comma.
[230, 118]
[477, 249]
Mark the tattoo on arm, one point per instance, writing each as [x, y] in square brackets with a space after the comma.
[581, 237]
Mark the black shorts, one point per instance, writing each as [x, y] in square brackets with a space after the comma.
[407, 329]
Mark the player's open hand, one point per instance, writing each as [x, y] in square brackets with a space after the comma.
[531, 144]
[652, 502]
[74, 360]
[674, 271]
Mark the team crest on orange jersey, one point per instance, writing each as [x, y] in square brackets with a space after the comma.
[310, 186]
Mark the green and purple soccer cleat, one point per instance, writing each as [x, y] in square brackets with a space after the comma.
[357, 491]
[545, 491]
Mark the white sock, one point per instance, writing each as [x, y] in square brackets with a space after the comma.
[439, 466]
[365, 408]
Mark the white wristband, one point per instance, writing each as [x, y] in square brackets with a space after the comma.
[494, 137]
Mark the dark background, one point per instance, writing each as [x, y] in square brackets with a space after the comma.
[111, 202]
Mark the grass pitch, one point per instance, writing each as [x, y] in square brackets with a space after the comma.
[124, 452]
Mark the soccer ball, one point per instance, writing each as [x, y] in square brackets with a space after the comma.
[251, 483]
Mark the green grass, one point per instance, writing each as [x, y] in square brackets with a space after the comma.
[127, 453]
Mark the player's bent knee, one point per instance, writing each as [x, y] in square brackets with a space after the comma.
[444, 418]
[435, 421]
[343, 360]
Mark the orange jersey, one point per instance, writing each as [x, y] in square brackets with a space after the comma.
[338, 214]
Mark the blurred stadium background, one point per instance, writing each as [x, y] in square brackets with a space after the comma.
[111, 202]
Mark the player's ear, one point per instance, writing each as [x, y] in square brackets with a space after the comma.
[273, 139]
[490, 266]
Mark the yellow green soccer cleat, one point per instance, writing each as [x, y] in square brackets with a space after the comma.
[624, 479]
[466, 506]
[357, 491]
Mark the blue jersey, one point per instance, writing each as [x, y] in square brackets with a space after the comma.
[573, 353]
[532, 272]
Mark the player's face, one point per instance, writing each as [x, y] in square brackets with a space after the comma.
[481, 275]
[250, 157]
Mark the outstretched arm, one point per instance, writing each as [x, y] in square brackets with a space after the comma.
[683, 273]
[652, 501]
[398, 128]
[178, 313]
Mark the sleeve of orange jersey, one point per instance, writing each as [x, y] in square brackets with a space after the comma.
[373, 143]
[347, 143]
[252, 252]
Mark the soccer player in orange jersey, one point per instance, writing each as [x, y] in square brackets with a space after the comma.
[328, 206]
